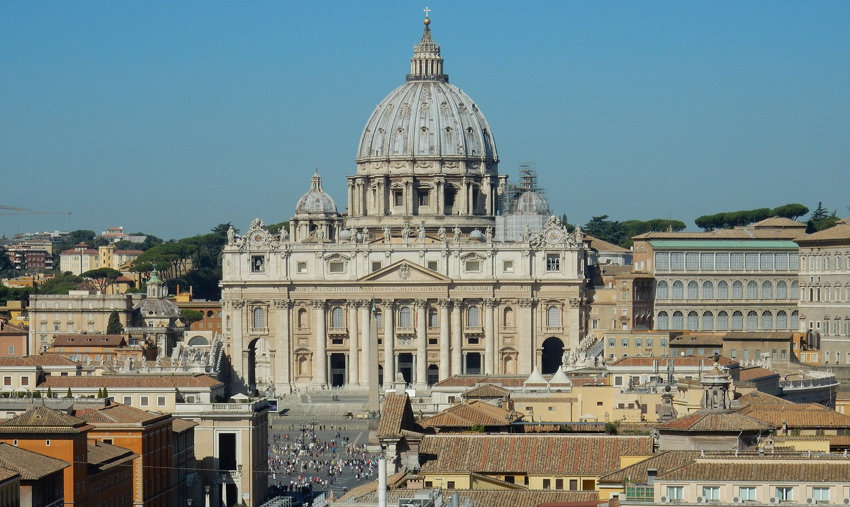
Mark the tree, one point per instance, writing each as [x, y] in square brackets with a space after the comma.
[105, 393]
[101, 278]
[730, 219]
[100, 392]
[61, 284]
[791, 211]
[607, 230]
[81, 236]
[819, 213]
[69, 394]
[5, 262]
[191, 316]
[114, 325]
[49, 392]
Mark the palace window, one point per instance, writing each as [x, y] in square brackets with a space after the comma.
[552, 319]
[678, 290]
[707, 290]
[433, 320]
[508, 266]
[259, 321]
[553, 262]
[661, 290]
[258, 263]
[404, 317]
[337, 318]
[336, 267]
[301, 268]
[473, 317]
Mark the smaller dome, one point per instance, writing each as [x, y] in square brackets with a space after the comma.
[530, 203]
[345, 235]
[476, 235]
[316, 201]
[161, 308]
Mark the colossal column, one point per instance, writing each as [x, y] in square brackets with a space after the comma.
[283, 348]
[353, 346]
[320, 365]
[421, 342]
[389, 340]
[366, 330]
[489, 337]
[238, 348]
[525, 330]
[456, 337]
[445, 358]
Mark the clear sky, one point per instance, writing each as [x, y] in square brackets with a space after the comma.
[169, 117]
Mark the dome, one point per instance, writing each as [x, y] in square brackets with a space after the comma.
[531, 203]
[427, 117]
[161, 308]
[316, 201]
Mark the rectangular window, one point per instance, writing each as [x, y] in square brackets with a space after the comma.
[662, 261]
[398, 198]
[612, 342]
[11, 350]
[820, 494]
[747, 493]
[594, 324]
[7, 381]
[766, 262]
[301, 268]
[625, 342]
[784, 493]
[638, 342]
[677, 261]
[25, 381]
[706, 261]
[547, 483]
[432, 265]
[721, 261]
[336, 267]
[752, 261]
[675, 492]
[559, 483]
[143, 401]
[573, 484]
[258, 263]
[508, 266]
[128, 400]
[692, 261]
[793, 262]
[649, 342]
[553, 262]
[450, 485]
[663, 342]
[423, 197]
[473, 266]
[376, 266]
[736, 261]
[780, 262]
[160, 401]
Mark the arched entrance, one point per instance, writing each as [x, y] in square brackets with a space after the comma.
[259, 367]
[338, 367]
[405, 366]
[553, 353]
[433, 374]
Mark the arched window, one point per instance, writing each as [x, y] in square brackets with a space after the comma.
[661, 322]
[707, 290]
[781, 320]
[781, 290]
[737, 321]
[472, 317]
[835, 326]
[795, 320]
[766, 320]
[259, 318]
[404, 317]
[737, 289]
[508, 317]
[693, 321]
[552, 319]
[678, 320]
[846, 326]
[752, 320]
[661, 290]
[302, 318]
[795, 290]
[337, 318]
[722, 320]
[433, 319]
[826, 293]
[693, 290]
[767, 290]
[722, 290]
[379, 319]
[752, 290]
[707, 321]
[433, 374]
[678, 289]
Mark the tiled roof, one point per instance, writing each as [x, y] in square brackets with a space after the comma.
[180, 425]
[560, 454]
[809, 415]
[118, 414]
[31, 465]
[487, 391]
[128, 252]
[91, 340]
[691, 339]
[756, 372]
[713, 421]
[106, 456]
[600, 245]
[839, 232]
[43, 420]
[663, 462]
[108, 381]
[779, 222]
[762, 470]
[397, 417]
[759, 335]
[679, 361]
[479, 497]
[760, 398]
[474, 413]
[6, 474]
[52, 360]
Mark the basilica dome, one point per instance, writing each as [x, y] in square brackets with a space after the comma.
[427, 118]
[316, 201]
[531, 203]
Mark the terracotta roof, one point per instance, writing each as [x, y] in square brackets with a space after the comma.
[691, 339]
[745, 233]
[757, 335]
[779, 222]
[52, 360]
[6, 362]
[478, 497]
[180, 425]
[105, 456]
[755, 372]
[809, 415]
[600, 245]
[839, 232]
[128, 252]
[470, 381]
[678, 361]
[31, 465]
[558, 454]
[760, 398]
[474, 413]
[43, 420]
[109, 381]
[703, 421]
[397, 417]
[96, 340]
[6, 474]
[118, 414]
[663, 462]
[768, 469]
[487, 391]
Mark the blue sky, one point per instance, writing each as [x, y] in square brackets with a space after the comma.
[171, 117]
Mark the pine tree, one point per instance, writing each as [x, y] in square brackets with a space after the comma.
[114, 325]
[99, 392]
[105, 393]
[68, 394]
[49, 392]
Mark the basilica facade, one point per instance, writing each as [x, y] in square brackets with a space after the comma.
[417, 268]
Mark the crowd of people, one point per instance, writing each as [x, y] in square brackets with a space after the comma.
[301, 462]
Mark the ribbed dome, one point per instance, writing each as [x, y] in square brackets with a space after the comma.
[531, 203]
[316, 201]
[162, 308]
[427, 117]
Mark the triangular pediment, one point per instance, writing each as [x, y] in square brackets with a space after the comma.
[405, 271]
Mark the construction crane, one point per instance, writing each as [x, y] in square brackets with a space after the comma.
[27, 211]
